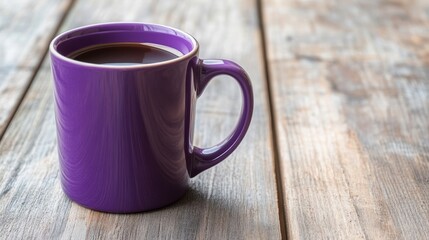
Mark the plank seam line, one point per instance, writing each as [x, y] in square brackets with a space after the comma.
[280, 191]
[37, 68]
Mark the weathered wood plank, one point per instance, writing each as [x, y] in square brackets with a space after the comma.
[350, 86]
[235, 200]
[26, 26]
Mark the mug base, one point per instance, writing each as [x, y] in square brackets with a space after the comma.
[130, 210]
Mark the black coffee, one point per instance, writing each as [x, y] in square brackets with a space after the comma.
[122, 54]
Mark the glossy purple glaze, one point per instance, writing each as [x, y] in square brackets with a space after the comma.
[125, 132]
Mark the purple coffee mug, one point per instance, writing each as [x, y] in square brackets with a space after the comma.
[125, 132]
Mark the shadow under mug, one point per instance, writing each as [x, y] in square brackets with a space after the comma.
[125, 132]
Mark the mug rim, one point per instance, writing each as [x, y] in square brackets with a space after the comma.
[54, 52]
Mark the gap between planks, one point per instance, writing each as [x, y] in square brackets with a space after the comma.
[273, 128]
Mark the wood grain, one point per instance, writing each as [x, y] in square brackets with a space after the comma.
[350, 89]
[26, 27]
[235, 200]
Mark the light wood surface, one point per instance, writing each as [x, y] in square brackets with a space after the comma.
[235, 200]
[26, 27]
[350, 89]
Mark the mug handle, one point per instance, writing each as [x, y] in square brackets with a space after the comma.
[204, 158]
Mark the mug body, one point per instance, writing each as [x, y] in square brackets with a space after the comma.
[123, 131]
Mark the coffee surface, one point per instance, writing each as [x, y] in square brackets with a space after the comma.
[122, 54]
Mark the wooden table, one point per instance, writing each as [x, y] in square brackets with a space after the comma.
[338, 147]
